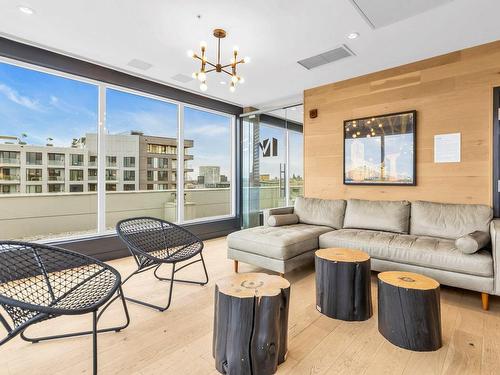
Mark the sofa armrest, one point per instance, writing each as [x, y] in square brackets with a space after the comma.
[276, 211]
[495, 250]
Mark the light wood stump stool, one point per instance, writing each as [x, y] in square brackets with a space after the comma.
[250, 323]
[409, 313]
[343, 285]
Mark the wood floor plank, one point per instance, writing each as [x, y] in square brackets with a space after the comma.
[179, 341]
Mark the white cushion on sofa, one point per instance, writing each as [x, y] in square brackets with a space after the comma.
[320, 211]
[388, 216]
[431, 252]
[448, 220]
[277, 242]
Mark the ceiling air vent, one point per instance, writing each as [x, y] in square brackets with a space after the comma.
[327, 57]
[182, 78]
[139, 64]
[380, 13]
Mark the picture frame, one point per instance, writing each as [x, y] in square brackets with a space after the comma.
[380, 150]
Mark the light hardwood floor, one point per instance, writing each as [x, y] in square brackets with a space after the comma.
[179, 341]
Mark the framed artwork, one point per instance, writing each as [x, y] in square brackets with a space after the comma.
[380, 150]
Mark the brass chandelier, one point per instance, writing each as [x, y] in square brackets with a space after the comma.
[229, 69]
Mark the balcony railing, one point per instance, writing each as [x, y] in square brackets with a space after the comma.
[14, 161]
[56, 162]
[56, 178]
[34, 162]
[7, 177]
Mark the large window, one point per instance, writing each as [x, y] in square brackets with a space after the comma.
[208, 164]
[140, 130]
[43, 120]
[53, 152]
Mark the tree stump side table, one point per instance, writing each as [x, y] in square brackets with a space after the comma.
[409, 313]
[343, 285]
[250, 323]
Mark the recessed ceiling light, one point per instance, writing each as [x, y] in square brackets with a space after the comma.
[353, 35]
[223, 82]
[26, 10]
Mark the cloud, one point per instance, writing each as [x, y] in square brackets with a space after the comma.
[15, 97]
[210, 130]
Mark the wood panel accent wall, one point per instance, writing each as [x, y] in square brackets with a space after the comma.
[452, 93]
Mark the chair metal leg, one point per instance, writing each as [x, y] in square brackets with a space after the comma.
[202, 260]
[156, 307]
[172, 280]
[120, 295]
[94, 342]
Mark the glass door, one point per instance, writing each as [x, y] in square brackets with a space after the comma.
[272, 172]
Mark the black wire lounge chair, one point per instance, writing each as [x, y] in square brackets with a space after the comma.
[40, 282]
[153, 243]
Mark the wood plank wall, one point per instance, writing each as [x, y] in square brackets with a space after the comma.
[452, 93]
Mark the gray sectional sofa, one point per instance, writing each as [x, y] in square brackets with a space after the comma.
[456, 244]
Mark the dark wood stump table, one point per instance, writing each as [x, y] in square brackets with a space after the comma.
[409, 313]
[250, 323]
[343, 285]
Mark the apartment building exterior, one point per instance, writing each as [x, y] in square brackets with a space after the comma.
[133, 162]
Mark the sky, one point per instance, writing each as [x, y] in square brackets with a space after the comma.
[400, 145]
[36, 106]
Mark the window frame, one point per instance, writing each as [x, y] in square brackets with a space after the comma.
[101, 158]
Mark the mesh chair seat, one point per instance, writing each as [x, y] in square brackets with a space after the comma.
[154, 242]
[40, 282]
[45, 281]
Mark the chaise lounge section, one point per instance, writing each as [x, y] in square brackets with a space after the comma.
[456, 244]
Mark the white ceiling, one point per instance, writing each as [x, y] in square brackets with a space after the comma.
[276, 34]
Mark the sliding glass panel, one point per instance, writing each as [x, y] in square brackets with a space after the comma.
[294, 116]
[141, 157]
[272, 166]
[45, 155]
[272, 162]
[207, 160]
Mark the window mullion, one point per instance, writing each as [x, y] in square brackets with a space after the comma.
[101, 162]
[287, 167]
[180, 164]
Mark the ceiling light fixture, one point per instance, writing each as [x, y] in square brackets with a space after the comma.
[229, 69]
[26, 10]
[353, 35]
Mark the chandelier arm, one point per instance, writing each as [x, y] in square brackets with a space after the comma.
[210, 70]
[225, 71]
[209, 63]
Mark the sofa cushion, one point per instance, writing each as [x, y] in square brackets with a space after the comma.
[277, 242]
[448, 220]
[431, 252]
[283, 219]
[472, 242]
[320, 211]
[389, 216]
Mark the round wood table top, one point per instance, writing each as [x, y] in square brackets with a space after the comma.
[246, 285]
[408, 280]
[338, 254]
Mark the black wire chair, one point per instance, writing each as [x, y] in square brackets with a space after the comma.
[40, 282]
[154, 242]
